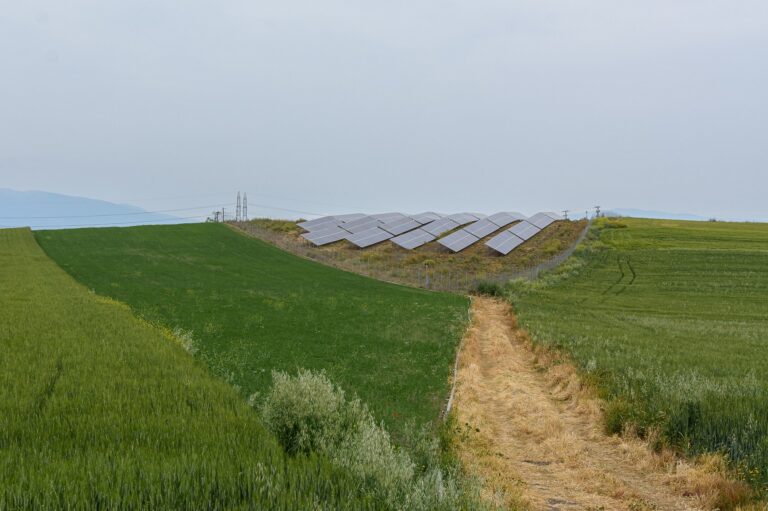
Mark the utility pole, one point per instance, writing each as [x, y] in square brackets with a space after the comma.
[245, 207]
[223, 218]
[238, 208]
[597, 211]
[565, 213]
[216, 216]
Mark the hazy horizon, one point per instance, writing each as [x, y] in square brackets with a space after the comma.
[378, 107]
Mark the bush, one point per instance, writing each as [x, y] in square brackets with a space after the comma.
[308, 413]
[489, 289]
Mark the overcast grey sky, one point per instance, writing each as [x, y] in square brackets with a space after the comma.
[334, 106]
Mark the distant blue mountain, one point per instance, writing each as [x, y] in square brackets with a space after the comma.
[43, 210]
[642, 213]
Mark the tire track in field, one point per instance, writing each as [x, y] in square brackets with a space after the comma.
[533, 435]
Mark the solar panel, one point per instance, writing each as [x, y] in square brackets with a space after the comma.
[350, 217]
[524, 230]
[325, 236]
[462, 218]
[438, 227]
[505, 218]
[505, 242]
[552, 215]
[413, 239]
[399, 227]
[426, 217]
[389, 217]
[369, 237]
[458, 241]
[541, 220]
[319, 223]
[362, 224]
[478, 216]
[481, 228]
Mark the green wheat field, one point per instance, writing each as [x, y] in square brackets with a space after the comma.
[670, 319]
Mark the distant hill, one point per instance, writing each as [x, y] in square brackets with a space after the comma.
[44, 210]
[642, 213]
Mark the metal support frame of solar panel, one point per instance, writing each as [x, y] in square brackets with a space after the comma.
[481, 228]
[369, 237]
[505, 242]
[325, 236]
[413, 239]
[458, 241]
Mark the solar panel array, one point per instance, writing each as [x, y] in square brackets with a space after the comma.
[319, 223]
[413, 239]
[400, 226]
[426, 217]
[481, 228]
[458, 241]
[477, 230]
[438, 227]
[463, 218]
[506, 217]
[322, 237]
[410, 232]
[524, 230]
[505, 242]
[542, 220]
[521, 232]
[369, 237]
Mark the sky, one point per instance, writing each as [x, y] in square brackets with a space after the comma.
[341, 106]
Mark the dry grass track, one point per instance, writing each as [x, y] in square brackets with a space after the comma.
[534, 433]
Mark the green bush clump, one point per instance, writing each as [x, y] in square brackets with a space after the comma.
[311, 415]
[487, 288]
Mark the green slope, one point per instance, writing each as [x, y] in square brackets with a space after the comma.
[251, 308]
[101, 410]
[671, 319]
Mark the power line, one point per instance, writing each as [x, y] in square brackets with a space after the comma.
[265, 206]
[148, 222]
[177, 197]
[108, 214]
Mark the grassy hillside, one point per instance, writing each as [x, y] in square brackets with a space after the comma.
[670, 318]
[251, 308]
[101, 410]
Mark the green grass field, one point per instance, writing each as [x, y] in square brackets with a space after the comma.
[99, 410]
[251, 308]
[671, 320]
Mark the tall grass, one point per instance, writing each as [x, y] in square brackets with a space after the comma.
[670, 319]
[99, 410]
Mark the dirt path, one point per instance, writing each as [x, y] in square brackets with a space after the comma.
[535, 436]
